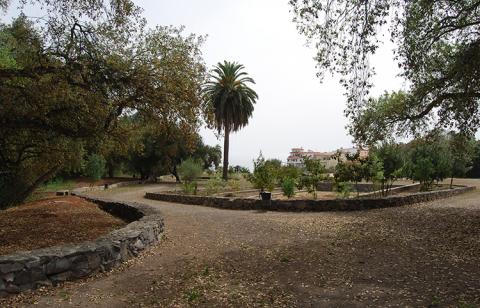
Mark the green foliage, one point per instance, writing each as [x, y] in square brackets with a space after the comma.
[233, 184]
[389, 159]
[462, 149]
[288, 187]
[288, 172]
[263, 176]
[231, 100]
[94, 167]
[189, 188]
[429, 160]
[189, 170]
[353, 169]
[437, 52]
[313, 175]
[209, 155]
[214, 185]
[55, 184]
[159, 149]
[238, 169]
[343, 190]
[193, 295]
[474, 171]
[64, 87]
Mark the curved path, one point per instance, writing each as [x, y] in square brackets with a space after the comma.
[418, 255]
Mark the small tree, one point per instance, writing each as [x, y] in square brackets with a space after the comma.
[94, 167]
[288, 172]
[288, 187]
[353, 169]
[313, 175]
[461, 148]
[429, 160]
[263, 176]
[391, 157]
[189, 170]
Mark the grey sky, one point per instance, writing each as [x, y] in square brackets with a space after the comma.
[294, 108]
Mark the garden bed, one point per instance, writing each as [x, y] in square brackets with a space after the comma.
[353, 204]
[30, 269]
[51, 222]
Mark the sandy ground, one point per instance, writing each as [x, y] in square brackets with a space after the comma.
[418, 255]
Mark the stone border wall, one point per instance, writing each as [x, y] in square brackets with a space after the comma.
[50, 266]
[362, 187]
[308, 205]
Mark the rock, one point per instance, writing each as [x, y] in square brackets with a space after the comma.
[22, 277]
[61, 277]
[11, 288]
[10, 267]
[56, 266]
[43, 283]
[8, 277]
[139, 245]
[50, 266]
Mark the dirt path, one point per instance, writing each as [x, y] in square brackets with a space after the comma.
[420, 255]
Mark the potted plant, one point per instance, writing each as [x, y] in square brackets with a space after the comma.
[263, 177]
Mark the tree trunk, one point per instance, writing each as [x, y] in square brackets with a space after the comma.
[45, 177]
[175, 174]
[226, 144]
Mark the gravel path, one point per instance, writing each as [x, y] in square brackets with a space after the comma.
[419, 255]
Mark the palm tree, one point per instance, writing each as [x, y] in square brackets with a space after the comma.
[231, 100]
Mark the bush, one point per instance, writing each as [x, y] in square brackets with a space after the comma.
[288, 187]
[189, 170]
[263, 176]
[343, 190]
[94, 167]
[189, 188]
[233, 184]
[291, 172]
[214, 185]
[314, 174]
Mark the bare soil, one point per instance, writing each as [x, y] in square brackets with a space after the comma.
[422, 255]
[51, 222]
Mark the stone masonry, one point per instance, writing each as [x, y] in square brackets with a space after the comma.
[50, 266]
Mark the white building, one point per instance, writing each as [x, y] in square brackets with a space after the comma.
[328, 158]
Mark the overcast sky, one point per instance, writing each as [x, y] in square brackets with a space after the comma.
[294, 109]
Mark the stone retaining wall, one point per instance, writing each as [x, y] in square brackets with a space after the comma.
[308, 205]
[50, 266]
[361, 187]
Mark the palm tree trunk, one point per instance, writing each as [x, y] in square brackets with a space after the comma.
[226, 144]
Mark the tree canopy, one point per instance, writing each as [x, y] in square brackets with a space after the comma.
[67, 78]
[231, 101]
[438, 52]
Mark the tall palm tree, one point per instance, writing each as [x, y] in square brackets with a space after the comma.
[232, 101]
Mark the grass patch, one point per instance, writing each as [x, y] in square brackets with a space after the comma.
[193, 295]
[55, 185]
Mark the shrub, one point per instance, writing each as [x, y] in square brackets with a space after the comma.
[263, 176]
[94, 167]
[233, 184]
[189, 188]
[288, 172]
[214, 185]
[288, 187]
[343, 190]
[189, 170]
[314, 174]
